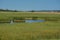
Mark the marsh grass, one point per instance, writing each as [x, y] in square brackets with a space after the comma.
[9, 15]
[30, 31]
[48, 30]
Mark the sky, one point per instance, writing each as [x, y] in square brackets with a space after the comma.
[30, 4]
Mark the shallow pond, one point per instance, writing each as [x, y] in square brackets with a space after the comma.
[31, 21]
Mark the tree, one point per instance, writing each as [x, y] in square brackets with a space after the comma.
[32, 11]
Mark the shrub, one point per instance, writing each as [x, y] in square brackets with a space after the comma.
[34, 18]
[19, 18]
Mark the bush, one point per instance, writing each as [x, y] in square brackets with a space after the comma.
[51, 19]
[19, 18]
[4, 20]
[34, 18]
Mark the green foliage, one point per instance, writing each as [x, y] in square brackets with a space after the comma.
[19, 18]
[52, 19]
[34, 18]
[4, 20]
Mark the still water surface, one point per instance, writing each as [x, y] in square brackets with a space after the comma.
[31, 21]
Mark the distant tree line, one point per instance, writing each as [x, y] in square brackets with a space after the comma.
[7, 10]
[44, 11]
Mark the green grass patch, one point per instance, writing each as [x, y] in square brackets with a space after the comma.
[30, 31]
[48, 30]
